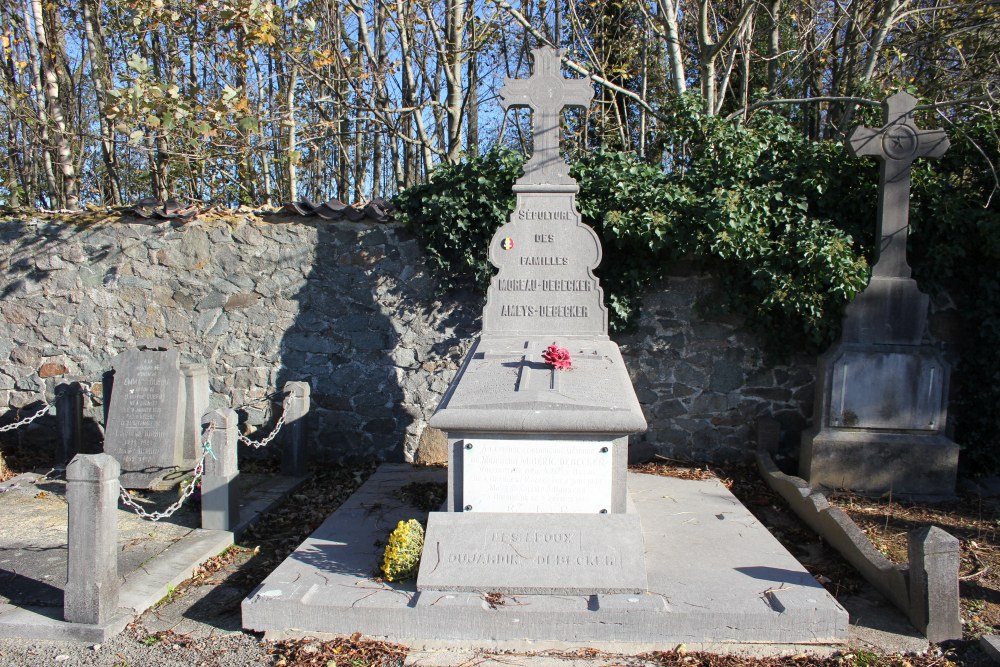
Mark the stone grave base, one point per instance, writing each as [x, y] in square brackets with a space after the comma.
[875, 463]
[153, 557]
[717, 581]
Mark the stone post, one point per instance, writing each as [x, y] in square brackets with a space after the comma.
[934, 564]
[195, 405]
[92, 584]
[295, 407]
[69, 417]
[220, 498]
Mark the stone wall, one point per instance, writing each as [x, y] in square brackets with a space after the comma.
[702, 380]
[349, 307]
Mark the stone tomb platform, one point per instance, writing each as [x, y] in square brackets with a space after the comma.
[152, 558]
[717, 580]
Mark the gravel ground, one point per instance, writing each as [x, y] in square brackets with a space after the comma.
[199, 623]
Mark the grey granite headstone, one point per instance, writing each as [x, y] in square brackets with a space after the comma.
[881, 402]
[146, 419]
[529, 444]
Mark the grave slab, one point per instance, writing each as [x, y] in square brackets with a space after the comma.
[743, 591]
[152, 557]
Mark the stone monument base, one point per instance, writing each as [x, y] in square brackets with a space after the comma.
[717, 580]
[873, 463]
[559, 554]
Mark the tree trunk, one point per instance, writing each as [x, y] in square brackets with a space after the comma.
[773, 46]
[291, 155]
[454, 31]
[667, 15]
[472, 81]
[36, 57]
[101, 75]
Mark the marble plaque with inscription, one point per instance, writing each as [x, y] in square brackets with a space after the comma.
[537, 475]
[146, 418]
[569, 554]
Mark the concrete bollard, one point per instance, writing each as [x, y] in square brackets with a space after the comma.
[220, 498]
[92, 584]
[69, 418]
[295, 408]
[933, 574]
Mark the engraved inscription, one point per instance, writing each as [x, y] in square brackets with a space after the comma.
[532, 548]
[544, 215]
[537, 476]
[543, 311]
[535, 285]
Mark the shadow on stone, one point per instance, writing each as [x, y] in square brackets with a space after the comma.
[777, 576]
[369, 339]
[27, 592]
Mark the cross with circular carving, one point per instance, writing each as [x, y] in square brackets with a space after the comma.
[900, 142]
[896, 144]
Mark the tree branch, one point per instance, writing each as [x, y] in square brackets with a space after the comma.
[575, 66]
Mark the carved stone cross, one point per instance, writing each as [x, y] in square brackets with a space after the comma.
[897, 144]
[547, 93]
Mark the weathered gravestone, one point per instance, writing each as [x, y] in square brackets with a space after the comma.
[882, 396]
[537, 498]
[145, 429]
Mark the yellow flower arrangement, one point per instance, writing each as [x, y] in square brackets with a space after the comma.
[402, 554]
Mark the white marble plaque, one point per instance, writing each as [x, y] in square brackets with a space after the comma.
[557, 476]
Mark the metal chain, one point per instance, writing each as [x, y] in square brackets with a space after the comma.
[199, 470]
[262, 399]
[26, 420]
[87, 390]
[257, 444]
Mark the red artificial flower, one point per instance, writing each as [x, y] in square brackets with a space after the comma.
[557, 357]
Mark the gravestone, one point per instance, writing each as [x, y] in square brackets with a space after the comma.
[145, 428]
[882, 396]
[537, 498]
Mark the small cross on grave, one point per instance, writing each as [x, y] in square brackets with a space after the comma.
[896, 144]
[531, 360]
[547, 93]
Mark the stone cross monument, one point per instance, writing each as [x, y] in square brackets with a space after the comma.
[881, 400]
[537, 453]
[547, 93]
[897, 144]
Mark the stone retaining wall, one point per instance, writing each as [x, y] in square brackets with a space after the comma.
[350, 308]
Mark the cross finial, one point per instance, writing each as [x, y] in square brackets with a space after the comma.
[547, 93]
[896, 144]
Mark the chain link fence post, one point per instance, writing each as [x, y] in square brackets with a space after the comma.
[69, 418]
[294, 409]
[92, 586]
[220, 506]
